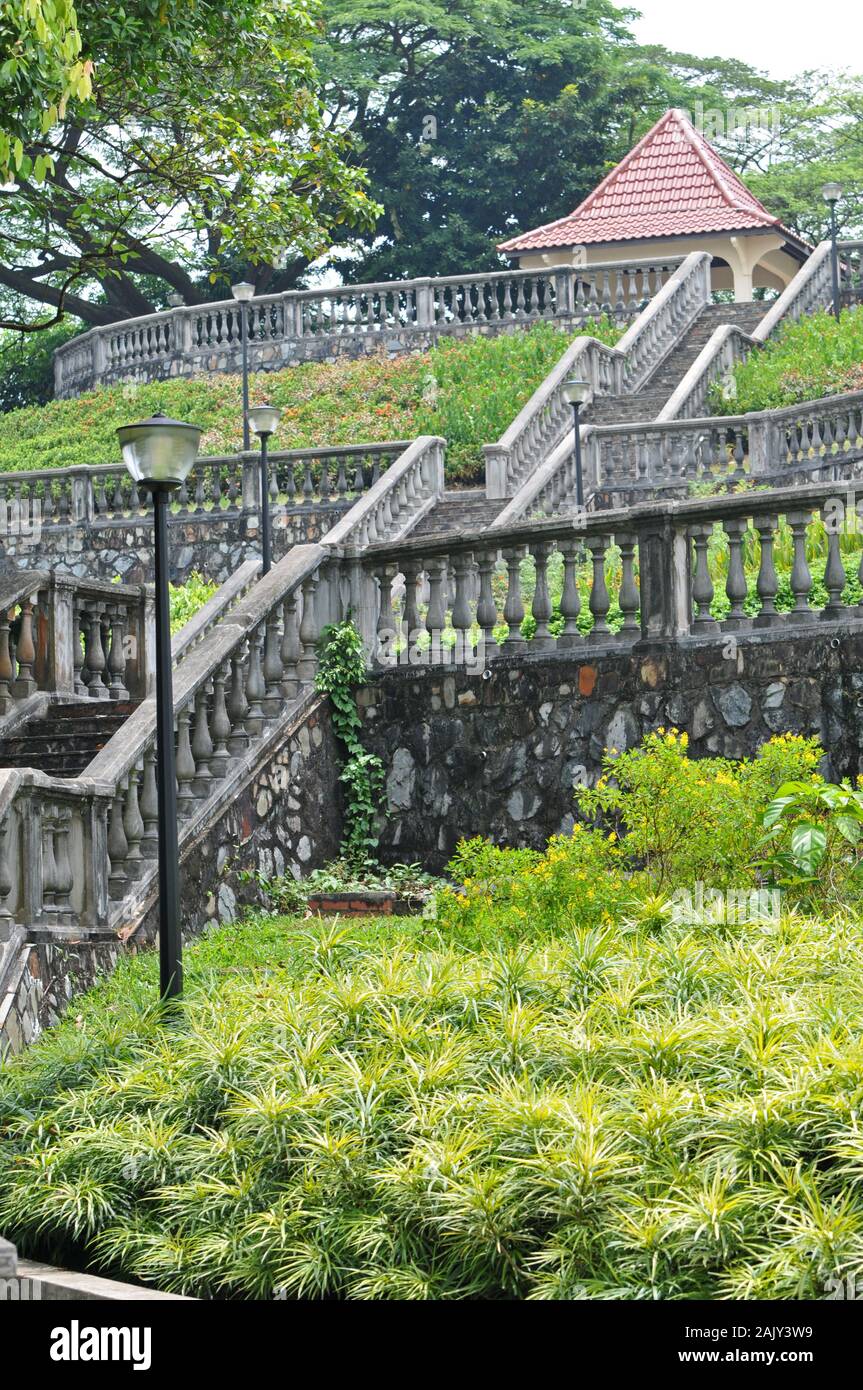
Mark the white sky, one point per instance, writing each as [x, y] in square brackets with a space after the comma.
[781, 39]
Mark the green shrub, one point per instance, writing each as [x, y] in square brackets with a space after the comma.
[691, 820]
[372, 1114]
[27, 365]
[187, 598]
[816, 356]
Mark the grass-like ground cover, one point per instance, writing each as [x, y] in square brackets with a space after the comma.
[816, 356]
[468, 390]
[553, 1090]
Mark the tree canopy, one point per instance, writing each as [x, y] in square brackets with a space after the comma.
[199, 146]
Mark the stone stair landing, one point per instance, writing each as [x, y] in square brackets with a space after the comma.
[65, 742]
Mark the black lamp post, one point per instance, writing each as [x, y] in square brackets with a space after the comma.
[243, 292]
[264, 419]
[159, 454]
[576, 393]
[831, 193]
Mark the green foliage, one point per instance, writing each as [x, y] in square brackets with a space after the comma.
[374, 1113]
[287, 895]
[475, 387]
[42, 68]
[144, 184]
[343, 402]
[27, 366]
[693, 820]
[341, 668]
[186, 599]
[816, 356]
[507, 895]
[814, 834]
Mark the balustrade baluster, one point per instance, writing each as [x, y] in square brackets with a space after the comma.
[412, 621]
[702, 584]
[628, 597]
[149, 806]
[600, 601]
[7, 672]
[570, 600]
[309, 630]
[238, 706]
[801, 578]
[834, 573]
[116, 663]
[462, 619]
[486, 608]
[185, 764]
[436, 569]
[220, 724]
[202, 744]
[133, 827]
[513, 609]
[767, 584]
[255, 688]
[118, 848]
[541, 606]
[49, 863]
[291, 648]
[735, 583]
[273, 696]
[25, 653]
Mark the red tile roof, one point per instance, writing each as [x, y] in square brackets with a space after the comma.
[672, 183]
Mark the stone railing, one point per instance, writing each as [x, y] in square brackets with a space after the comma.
[541, 424]
[811, 289]
[240, 677]
[80, 638]
[460, 599]
[312, 324]
[628, 463]
[220, 483]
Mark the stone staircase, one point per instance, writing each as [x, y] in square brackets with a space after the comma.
[461, 511]
[647, 403]
[458, 512]
[66, 741]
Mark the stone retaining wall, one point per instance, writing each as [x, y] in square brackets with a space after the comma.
[497, 754]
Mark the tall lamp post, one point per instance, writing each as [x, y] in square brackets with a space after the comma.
[264, 420]
[159, 454]
[576, 393]
[243, 292]
[831, 193]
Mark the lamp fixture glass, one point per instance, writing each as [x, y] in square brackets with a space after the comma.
[243, 291]
[831, 192]
[159, 452]
[576, 392]
[264, 419]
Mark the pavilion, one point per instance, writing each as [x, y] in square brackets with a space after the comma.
[670, 195]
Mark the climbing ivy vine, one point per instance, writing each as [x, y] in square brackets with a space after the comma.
[341, 668]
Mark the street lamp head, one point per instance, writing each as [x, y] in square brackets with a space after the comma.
[576, 392]
[264, 419]
[831, 192]
[175, 300]
[243, 291]
[159, 452]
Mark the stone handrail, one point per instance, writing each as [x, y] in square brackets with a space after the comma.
[822, 437]
[398, 500]
[83, 496]
[811, 289]
[546, 417]
[650, 562]
[287, 327]
[43, 617]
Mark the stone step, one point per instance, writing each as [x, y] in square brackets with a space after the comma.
[64, 745]
[459, 512]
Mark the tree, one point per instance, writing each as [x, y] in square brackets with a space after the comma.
[201, 150]
[480, 118]
[41, 67]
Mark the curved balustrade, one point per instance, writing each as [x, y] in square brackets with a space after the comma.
[206, 337]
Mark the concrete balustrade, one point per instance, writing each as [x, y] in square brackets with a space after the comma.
[399, 315]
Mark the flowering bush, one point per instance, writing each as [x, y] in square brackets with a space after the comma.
[689, 820]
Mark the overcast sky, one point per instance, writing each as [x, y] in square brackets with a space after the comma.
[781, 39]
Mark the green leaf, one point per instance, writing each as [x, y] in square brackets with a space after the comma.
[808, 846]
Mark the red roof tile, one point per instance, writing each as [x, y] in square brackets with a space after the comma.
[672, 183]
